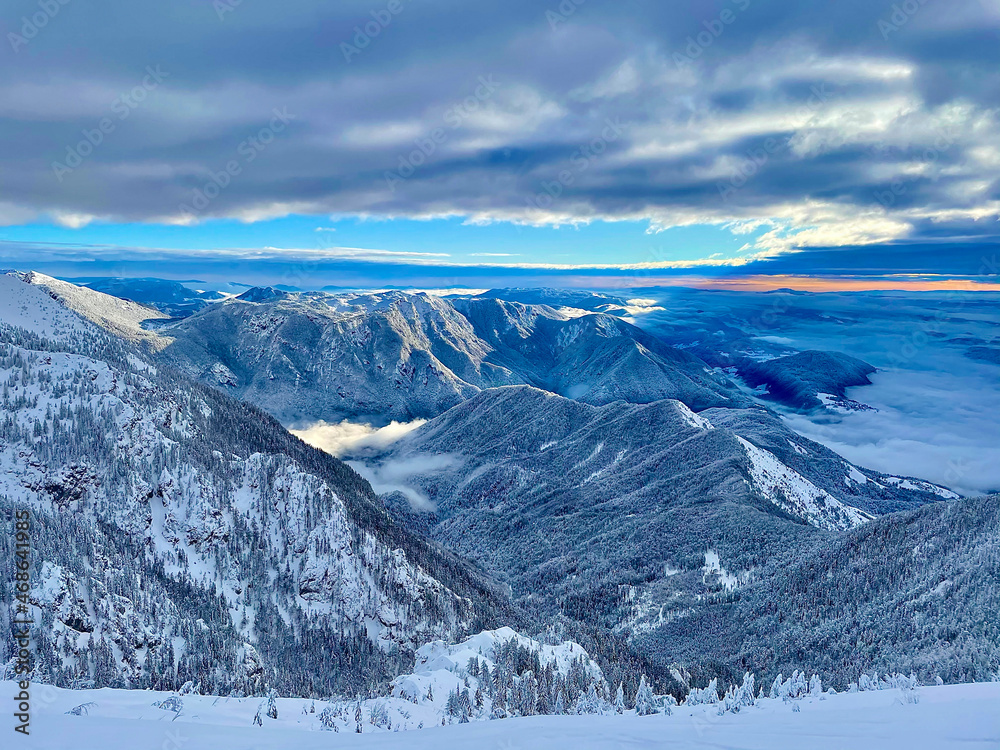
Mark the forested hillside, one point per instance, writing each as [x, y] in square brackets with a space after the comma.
[181, 535]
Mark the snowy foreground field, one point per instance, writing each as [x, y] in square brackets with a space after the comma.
[953, 716]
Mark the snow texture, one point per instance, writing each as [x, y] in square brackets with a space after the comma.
[795, 494]
[946, 718]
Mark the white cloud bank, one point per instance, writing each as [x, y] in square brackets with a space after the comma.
[938, 426]
[346, 437]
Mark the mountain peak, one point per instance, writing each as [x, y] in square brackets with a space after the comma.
[263, 294]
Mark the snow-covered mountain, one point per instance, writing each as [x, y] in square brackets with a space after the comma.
[179, 534]
[571, 300]
[594, 358]
[396, 356]
[183, 535]
[872, 491]
[623, 515]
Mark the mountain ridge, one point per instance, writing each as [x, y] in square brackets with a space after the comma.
[568, 500]
[391, 356]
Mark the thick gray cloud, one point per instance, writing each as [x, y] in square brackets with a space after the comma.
[836, 124]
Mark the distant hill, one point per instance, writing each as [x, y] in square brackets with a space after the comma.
[799, 380]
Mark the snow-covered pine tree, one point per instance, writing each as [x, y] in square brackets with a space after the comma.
[776, 686]
[645, 705]
[815, 686]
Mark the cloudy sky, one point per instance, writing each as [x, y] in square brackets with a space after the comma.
[587, 142]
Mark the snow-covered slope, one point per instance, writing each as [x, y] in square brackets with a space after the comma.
[23, 307]
[916, 590]
[185, 535]
[871, 491]
[952, 717]
[119, 316]
[796, 495]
